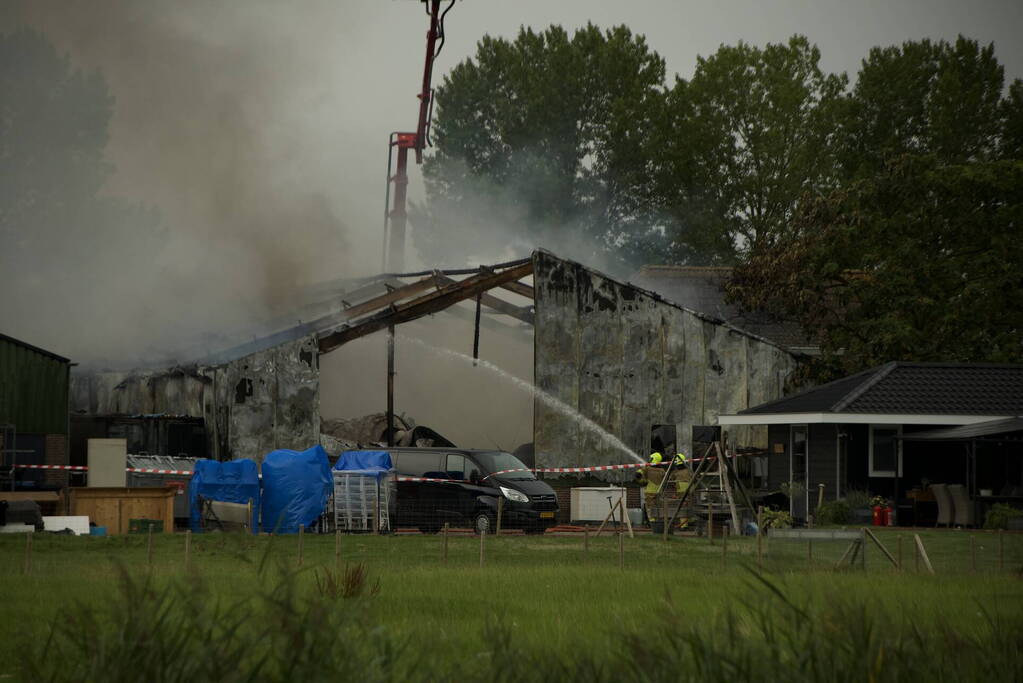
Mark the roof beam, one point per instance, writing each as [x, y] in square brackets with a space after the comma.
[387, 299]
[491, 301]
[424, 305]
[520, 289]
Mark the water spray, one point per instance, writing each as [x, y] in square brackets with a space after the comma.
[550, 401]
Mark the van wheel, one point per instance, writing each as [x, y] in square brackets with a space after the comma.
[483, 523]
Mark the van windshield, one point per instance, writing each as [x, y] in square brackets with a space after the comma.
[498, 462]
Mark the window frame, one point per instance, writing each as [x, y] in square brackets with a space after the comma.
[884, 474]
[447, 465]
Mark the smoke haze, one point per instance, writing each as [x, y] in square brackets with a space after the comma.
[253, 137]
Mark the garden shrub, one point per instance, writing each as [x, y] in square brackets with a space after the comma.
[834, 512]
[999, 515]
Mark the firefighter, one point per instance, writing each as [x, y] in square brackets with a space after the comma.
[652, 476]
[682, 476]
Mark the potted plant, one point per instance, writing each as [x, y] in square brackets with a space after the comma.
[1003, 516]
[859, 506]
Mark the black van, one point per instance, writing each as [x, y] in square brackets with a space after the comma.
[468, 496]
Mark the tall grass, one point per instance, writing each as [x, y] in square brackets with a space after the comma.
[542, 609]
[181, 632]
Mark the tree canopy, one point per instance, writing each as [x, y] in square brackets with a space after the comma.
[758, 132]
[543, 136]
[913, 255]
[881, 216]
[919, 262]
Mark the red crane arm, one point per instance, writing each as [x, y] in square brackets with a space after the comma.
[395, 217]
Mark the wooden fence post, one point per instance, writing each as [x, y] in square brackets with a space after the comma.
[710, 522]
[374, 520]
[444, 542]
[923, 553]
[337, 550]
[621, 550]
[586, 538]
[863, 549]
[500, 512]
[760, 538]
[149, 547]
[483, 535]
[28, 552]
[188, 549]
[1001, 550]
[301, 535]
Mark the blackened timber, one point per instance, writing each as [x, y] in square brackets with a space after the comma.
[499, 305]
[390, 385]
[520, 289]
[393, 295]
[425, 305]
[476, 334]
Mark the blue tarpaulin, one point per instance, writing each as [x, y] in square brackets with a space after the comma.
[236, 481]
[296, 485]
[371, 463]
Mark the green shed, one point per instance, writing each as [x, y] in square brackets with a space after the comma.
[34, 386]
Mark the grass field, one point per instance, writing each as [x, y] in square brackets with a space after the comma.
[541, 608]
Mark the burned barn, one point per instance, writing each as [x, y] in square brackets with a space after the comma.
[641, 368]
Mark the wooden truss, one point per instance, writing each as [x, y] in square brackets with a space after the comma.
[404, 302]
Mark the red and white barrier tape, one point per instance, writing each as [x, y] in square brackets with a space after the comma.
[595, 468]
[554, 470]
[574, 470]
[53, 467]
[147, 470]
[84, 468]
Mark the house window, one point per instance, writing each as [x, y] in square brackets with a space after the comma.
[885, 451]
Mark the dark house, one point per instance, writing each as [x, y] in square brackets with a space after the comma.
[878, 431]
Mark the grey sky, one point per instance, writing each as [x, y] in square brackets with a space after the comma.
[259, 128]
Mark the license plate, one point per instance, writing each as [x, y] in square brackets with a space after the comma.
[546, 515]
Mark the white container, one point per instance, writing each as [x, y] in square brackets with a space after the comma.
[108, 459]
[590, 503]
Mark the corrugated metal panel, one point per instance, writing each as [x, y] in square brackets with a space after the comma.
[33, 389]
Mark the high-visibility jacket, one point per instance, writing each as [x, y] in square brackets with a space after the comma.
[653, 476]
[682, 476]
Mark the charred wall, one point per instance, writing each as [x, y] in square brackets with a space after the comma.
[628, 360]
[250, 406]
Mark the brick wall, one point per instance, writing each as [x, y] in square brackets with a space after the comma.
[56, 454]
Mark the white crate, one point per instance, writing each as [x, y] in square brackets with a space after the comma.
[358, 498]
[590, 504]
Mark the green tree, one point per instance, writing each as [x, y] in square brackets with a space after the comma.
[922, 97]
[543, 138]
[919, 262]
[1012, 122]
[756, 130]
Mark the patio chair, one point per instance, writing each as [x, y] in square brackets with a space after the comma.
[946, 509]
[965, 513]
